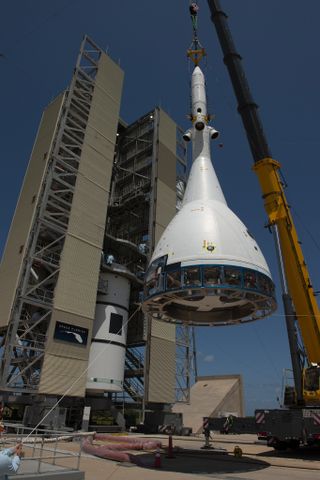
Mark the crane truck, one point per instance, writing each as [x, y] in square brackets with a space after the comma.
[299, 421]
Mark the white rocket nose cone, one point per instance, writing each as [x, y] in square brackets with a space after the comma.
[197, 71]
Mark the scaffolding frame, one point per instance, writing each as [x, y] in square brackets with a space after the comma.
[186, 366]
[128, 220]
[25, 337]
[132, 209]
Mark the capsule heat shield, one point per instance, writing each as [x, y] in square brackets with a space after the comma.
[208, 270]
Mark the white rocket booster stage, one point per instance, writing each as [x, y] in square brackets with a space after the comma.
[207, 269]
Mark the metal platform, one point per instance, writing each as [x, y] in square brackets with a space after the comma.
[43, 458]
[29, 470]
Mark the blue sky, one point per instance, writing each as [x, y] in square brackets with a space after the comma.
[39, 41]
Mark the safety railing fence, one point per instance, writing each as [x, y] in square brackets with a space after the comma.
[44, 450]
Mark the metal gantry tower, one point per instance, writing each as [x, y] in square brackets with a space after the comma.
[148, 180]
[25, 336]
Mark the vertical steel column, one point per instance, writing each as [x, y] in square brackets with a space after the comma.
[151, 230]
[186, 364]
[290, 320]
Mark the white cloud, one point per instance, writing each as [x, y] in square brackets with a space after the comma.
[208, 359]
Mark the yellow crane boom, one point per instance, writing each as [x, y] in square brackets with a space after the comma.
[298, 295]
[297, 276]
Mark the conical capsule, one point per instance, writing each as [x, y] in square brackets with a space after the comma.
[207, 269]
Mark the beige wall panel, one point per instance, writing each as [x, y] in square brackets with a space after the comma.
[23, 216]
[168, 132]
[232, 403]
[233, 400]
[60, 373]
[88, 214]
[167, 166]
[158, 232]
[163, 330]
[67, 349]
[162, 371]
[211, 396]
[77, 283]
[89, 207]
[107, 96]
[98, 136]
[110, 70]
[100, 169]
[105, 110]
[165, 209]
[76, 288]
[161, 385]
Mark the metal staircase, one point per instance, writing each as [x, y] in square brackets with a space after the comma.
[133, 377]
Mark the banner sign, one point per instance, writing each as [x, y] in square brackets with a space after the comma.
[71, 333]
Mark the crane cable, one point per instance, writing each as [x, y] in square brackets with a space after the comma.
[195, 51]
[193, 9]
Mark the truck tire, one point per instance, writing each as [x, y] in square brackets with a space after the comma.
[280, 446]
[294, 444]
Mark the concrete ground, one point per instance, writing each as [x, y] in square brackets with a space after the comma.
[258, 462]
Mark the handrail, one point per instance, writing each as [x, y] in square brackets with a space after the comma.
[41, 457]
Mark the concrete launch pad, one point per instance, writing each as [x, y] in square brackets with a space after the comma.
[259, 462]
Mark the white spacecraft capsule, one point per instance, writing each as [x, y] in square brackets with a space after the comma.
[207, 269]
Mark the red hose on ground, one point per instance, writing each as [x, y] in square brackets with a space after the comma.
[135, 443]
[115, 451]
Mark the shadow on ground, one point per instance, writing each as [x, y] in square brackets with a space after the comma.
[203, 463]
[302, 453]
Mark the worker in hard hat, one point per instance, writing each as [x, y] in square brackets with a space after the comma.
[10, 461]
